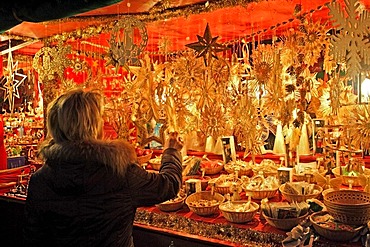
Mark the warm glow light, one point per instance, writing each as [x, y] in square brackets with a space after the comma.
[365, 88]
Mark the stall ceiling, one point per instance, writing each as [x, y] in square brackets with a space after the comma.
[229, 23]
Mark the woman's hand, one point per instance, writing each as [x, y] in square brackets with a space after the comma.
[174, 141]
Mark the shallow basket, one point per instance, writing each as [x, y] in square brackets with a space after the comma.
[213, 170]
[155, 165]
[205, 195]
[300, 198]
[261, 194]
[242, 172]
[171, 206]
[302, 177]
[223, 190]
[238, 217]
[346, 179]
[284, 224]
[351, 207]
[144, 158]
[332, 234]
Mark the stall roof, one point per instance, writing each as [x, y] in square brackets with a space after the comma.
[177, 20]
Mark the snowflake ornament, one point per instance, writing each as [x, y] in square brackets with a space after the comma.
[352, 44]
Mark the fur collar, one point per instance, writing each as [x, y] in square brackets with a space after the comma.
[116, 154]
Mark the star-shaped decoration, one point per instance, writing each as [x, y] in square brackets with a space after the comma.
[95, 64]
[206, 46]
[11, 82]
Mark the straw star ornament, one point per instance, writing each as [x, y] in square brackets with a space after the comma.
[11, 82]
[206, 47]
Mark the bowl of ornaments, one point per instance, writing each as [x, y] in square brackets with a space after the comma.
[143, 155]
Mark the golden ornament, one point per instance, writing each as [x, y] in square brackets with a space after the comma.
[207, 47]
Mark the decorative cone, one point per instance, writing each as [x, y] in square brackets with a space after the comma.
[279, 144]
[193, 142]
[304, 145]
[210, 144]
[3, 156]
[218, 146]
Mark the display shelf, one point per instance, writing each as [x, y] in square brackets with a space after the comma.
[22, 133]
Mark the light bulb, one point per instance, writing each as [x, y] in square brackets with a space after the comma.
[365, 88]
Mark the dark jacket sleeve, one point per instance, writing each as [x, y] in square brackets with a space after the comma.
[34, 229]
[148, 188]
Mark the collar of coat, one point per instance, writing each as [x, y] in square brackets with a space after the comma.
[116, 154]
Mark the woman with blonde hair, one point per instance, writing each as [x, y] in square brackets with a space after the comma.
[88, 189]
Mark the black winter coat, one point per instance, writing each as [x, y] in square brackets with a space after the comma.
[86, 194]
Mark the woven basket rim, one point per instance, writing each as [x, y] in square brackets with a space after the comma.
[204, 192]
[174, 205]
[255, 205]
[213, 170]
[269, 190]
[274, 219]
[326, 195]
[228, 168]
[145, 158]
[333, 230]
[316, 186]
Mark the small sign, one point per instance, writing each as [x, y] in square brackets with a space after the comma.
[228, 149]
[192, 186]
[285, 174]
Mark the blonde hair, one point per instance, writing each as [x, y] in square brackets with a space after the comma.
[75, 116]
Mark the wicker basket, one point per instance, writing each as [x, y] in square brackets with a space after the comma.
[284, 224]
[204, 195]
[302, 177]
[332, 234]
[223, 190]
[261, 194]
[348, 179]
[155, 165]
[351, 207]
[238, 217]
[213, 170]
[171, 206]
[300, 198]
[244, 171]
[144, 158]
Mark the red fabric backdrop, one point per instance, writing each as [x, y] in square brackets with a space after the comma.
[3, 156]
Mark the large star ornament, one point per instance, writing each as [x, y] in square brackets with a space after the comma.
[206, 46]
[11, 82]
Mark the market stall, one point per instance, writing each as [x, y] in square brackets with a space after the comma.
[267, 95]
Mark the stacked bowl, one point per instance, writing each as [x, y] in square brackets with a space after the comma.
[351, 207]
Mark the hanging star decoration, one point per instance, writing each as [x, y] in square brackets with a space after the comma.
[206, 46]
[11, 82]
